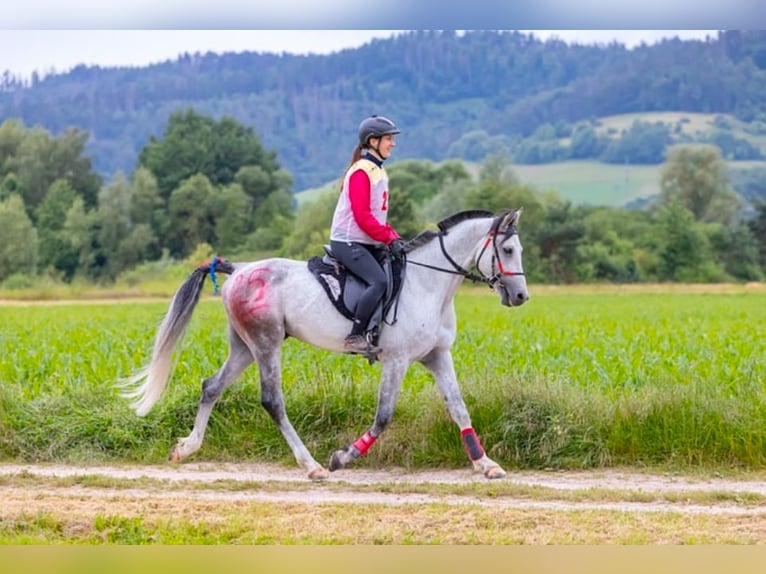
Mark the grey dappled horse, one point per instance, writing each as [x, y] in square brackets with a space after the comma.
[269, 300]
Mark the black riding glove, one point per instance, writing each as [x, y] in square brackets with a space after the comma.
[397, 248]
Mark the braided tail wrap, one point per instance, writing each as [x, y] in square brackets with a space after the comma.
[146, 386]
[218, 264]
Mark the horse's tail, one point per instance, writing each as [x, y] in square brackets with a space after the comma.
[145, 387]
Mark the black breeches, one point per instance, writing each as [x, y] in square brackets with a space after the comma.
[362, 261]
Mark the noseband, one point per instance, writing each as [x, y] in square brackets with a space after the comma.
[496, 263]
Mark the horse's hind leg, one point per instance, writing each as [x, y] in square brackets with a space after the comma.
[268, 355]
[238, 360]
[439, 362]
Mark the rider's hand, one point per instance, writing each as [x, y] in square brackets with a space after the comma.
[397, 248]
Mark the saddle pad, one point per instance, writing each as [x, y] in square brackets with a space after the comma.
[333, 283]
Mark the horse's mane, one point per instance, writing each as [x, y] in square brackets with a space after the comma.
[445, 224]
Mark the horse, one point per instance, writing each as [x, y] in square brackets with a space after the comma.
[271, 299]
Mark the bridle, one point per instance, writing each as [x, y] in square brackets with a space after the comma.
[496, 262]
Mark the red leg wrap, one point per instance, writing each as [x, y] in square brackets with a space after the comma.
[472, 444]
[364, 443]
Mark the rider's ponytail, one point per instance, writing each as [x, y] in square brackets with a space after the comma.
[356, 155]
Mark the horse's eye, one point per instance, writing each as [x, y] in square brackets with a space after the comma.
[508, 250]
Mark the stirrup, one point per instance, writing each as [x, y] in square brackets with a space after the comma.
[360, 345]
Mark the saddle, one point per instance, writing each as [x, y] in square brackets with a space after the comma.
[344, 288]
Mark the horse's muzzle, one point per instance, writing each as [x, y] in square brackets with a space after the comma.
[512, 297]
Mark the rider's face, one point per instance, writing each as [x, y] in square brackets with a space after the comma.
[385, 145]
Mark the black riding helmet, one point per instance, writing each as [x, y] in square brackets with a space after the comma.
[375, 127]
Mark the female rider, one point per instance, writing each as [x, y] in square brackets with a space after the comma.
[359, 233]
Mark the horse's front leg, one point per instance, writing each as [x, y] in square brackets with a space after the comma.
[439, 362]
[390, 385]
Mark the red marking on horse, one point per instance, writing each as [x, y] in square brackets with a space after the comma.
[250, 295]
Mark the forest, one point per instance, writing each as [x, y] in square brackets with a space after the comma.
[105, 173]
[453, 95]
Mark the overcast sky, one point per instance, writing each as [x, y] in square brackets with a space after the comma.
[24, 51]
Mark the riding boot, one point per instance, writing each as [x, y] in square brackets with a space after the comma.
[360, 344]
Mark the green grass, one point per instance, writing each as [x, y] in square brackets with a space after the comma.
[570, 380]
[251, 524]
[159, 521]
[593, 183]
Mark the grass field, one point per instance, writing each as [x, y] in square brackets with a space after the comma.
[574, 379]
[593, 183]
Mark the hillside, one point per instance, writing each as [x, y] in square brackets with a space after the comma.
[588, 182]
[454, 95]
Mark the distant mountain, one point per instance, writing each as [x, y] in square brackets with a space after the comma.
[440, 87]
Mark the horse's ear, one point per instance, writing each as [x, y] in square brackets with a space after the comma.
[511, 218]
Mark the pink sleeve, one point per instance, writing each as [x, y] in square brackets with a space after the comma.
[359, 196]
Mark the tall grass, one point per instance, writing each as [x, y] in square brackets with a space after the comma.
[570, 380]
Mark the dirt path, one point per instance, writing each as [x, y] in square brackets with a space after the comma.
[635, 492]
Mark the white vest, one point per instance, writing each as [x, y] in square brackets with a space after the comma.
[344, 226]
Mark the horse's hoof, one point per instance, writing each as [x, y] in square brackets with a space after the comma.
[319, 473]
[175, 454]
[494, 472]
[336, 460]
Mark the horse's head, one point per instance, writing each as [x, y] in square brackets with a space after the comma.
[500, 260]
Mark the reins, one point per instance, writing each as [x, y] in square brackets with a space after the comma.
[460, 270]
[395, 302]
[457, 268]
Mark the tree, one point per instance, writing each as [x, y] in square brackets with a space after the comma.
[148, 208]
[277, 204]
[494, 191]
[78, 236]
[134, 248]
[192, 209]
[18, 239]
[197, 144]
[403, 215]
[586, 143]
[685, 251]
[642, 143]
[450, 199]
[312, 227]
[477, 145]
[736, 247]
[605, 253]
[55, 251]
[112, 223]
[696, 177]
[12, 133]
[9, 185]
[40, 160]
[558, 238]
[255, 182]
[757, 227]
[235, 217]
[415, 179]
